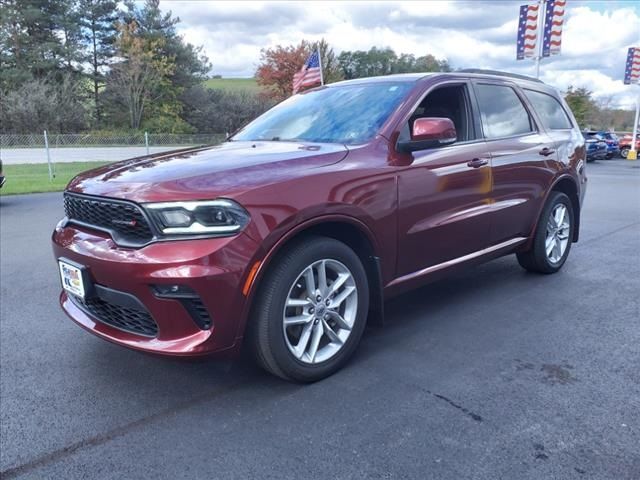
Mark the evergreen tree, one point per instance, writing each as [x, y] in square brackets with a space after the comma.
[29, 44]
[68, 22]
[99, 33]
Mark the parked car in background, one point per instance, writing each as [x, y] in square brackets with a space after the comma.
[2, 177]
[290, 235]
[625, 144]
[612, 141]
[596, 146]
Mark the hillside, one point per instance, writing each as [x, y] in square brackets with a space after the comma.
[233, 84]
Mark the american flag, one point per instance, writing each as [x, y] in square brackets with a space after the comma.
[552, 36]
[310, 74]
[632, 69]
[527, 31]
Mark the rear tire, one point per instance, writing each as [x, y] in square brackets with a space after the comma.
[553, 236]
[310, 311]
[624, 152]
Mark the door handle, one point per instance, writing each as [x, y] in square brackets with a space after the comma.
[477, 162]
[546, 151]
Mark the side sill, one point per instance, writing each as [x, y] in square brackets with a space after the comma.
[456, 261]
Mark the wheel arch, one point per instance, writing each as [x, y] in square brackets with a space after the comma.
[352, 232]
[568, 186]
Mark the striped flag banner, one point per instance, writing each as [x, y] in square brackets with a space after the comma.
[632, 69]
[552, 36]
[527, 31]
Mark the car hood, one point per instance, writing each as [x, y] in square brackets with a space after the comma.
[222, 170]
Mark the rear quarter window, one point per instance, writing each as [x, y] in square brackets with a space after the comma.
[502, 112]
[549, 110]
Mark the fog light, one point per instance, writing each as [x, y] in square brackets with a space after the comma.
[173, 291]
[189, 300]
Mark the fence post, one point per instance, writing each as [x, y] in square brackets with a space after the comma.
[46, 146]
[146, 141]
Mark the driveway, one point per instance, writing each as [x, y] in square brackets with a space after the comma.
[494, 373]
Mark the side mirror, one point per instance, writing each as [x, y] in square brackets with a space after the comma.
[429, 132]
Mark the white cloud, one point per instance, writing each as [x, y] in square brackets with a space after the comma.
[468, 33]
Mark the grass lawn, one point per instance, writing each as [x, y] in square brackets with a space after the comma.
[234, 84]
[34, 177]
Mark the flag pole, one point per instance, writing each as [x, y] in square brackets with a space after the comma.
[320, 64]
[540, 34]
[633, 154]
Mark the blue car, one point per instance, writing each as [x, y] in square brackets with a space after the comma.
[610, 138]
[596, 146]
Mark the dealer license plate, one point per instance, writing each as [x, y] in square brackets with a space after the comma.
[71, 277]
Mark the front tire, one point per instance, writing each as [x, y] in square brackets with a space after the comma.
[553, 236]
[311, 310]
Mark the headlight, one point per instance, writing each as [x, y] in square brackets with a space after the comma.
[207, 217]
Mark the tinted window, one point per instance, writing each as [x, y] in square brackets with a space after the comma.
[549, 109]
[503, 114]
[341, 114]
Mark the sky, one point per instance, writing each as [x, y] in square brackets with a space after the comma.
[468, 33]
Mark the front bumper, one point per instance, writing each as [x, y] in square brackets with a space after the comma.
[596, 154]
[613, 150]
[214, 269]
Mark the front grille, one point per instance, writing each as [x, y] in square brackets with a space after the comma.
[130, 320]
[125, 221]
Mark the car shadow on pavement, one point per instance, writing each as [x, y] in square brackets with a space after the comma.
[417, 312]
[430, 307]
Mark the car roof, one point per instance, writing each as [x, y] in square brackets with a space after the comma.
[522, 80]
[396, 77]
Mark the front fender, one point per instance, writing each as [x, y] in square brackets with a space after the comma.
[273, 245]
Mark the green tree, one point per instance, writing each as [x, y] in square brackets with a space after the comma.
[190, 64]
[99, 31]
[143, 76]
[29, 44]
[384, 61]
[429, 63]
[69, 25]
[331, 71]
[581, 103]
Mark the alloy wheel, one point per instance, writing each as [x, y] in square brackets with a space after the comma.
[558, 229]
[320, 311]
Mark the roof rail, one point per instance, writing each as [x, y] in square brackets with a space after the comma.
[499, 73]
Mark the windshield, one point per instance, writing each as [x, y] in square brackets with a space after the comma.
[344, 114]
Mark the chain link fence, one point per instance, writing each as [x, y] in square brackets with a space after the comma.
[62, 148]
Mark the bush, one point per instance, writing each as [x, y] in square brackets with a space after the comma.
[43, 105]
[222, 111]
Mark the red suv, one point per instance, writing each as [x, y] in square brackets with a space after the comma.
[291, 234]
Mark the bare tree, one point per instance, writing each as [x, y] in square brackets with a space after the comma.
[42, 104]
[602, 117]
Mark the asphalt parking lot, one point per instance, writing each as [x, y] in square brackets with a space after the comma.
[494, 373]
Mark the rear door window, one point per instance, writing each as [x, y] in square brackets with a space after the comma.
[550, 110]
[502, 112]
